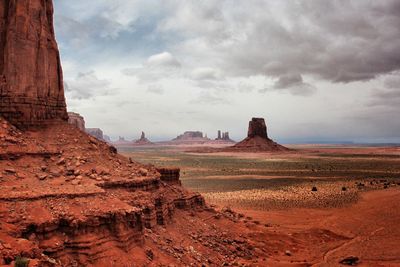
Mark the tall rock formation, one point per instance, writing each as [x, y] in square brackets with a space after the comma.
[223, 136]
[257, 127]
[143, 141]
[31, 82]
[257, 139]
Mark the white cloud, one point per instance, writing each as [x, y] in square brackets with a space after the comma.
[206, 74]
[162, 60]
[226, 61]
[155, 89]
[87, 85]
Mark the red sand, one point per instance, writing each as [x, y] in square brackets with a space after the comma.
[370, 230]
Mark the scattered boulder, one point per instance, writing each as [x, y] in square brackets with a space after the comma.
[314, 189]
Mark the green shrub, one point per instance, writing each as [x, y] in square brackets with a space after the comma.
[21, 262]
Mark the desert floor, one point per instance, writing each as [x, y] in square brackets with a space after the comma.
[319, 203]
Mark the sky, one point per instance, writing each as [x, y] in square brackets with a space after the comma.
[316, 70]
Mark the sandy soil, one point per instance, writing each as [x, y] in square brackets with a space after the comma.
[370, 227]
[353, 212]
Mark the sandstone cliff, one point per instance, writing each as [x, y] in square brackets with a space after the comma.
[31, 82]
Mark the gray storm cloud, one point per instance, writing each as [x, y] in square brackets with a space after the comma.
[340, 57]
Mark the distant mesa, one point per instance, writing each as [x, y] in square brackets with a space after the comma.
[96, 132]
[143, 141]
[77, 120]
[122, 141]
[107, 138]
[190, 137]
[257, 139]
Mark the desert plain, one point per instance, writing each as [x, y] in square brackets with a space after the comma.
[319, 204]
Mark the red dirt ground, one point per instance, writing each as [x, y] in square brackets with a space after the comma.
[370, 230]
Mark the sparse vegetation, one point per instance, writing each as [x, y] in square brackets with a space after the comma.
[317, 180]
[21, 262]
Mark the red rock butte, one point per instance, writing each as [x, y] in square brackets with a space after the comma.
[31, 82]
[143, 140]
[257, 139]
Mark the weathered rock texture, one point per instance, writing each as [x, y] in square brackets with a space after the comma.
[257, 139]
[77, 120]
[31, 82]
[257, 127]
[170, 175]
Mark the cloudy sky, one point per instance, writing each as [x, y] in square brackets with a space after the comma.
[315, 69]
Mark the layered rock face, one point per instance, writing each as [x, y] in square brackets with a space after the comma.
[257, 127]
[257, 139]
[170, 175]
[77, 120]
[31, 82]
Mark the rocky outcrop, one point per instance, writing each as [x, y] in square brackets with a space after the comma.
[77, 120]
[95, 132]
[257, 127]
[223, 137]
[257, 139]
[143, 141]
[80, 201]
[31, 82]
[189, 138]
[189, 135]
[170, 175]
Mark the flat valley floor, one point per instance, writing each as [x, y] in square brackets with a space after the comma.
[340, 201]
